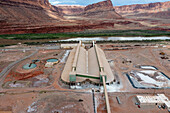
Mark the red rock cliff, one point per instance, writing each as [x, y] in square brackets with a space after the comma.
[27, 11]
[104, 4]
[142, 8]
[70, 9]
[101, 10]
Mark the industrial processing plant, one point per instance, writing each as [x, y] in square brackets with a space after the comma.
[85, 76]
[84, 56]
[83, 65]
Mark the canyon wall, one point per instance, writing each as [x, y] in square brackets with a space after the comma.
[143, 8]
[70, 9]
[101, 10]
[27, 11]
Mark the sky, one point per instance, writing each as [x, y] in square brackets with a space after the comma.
[115, 2]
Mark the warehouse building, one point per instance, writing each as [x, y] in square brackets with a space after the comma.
[87, 65]
[159, 99]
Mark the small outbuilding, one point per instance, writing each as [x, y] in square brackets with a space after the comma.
[68, 46]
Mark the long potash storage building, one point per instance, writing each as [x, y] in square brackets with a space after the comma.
[83, 65]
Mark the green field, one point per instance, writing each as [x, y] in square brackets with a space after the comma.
[103, 33]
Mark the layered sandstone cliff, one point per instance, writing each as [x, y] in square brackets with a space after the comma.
[70, 9]
[101, 10]
[27, 11]
[106, 5]
[144, 8]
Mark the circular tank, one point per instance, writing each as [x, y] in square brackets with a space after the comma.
[52, 60]
[28, 66]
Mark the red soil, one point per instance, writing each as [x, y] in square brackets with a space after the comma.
[12, 76]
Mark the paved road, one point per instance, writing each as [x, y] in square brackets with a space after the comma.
[32, 48]
[6, 70]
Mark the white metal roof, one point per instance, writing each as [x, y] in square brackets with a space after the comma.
[160, 98]
[149, 99]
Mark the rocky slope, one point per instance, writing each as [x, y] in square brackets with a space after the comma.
[106, 5]
[59, 28]
[27, 11]
[101, 10]
[70, 9]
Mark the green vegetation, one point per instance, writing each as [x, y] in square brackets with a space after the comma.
[102, 33]
[4, 45]
[125, 33]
